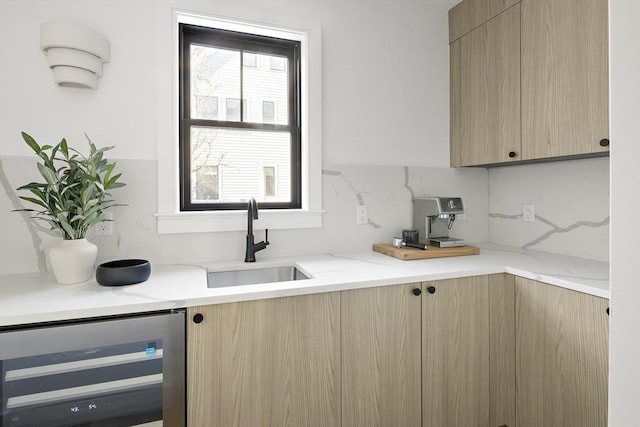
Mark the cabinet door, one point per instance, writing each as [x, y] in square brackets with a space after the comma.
[455, 144]
[455, 352]
[272, 362]
[561, 357]
[490, 91]
[564, 77]
[469, 14]
[381, 357]
[502, 350]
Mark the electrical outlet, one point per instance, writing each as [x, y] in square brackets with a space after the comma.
[105, 228]
[362, 215]
[528, 212]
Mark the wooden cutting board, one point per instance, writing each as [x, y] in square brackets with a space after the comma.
[407, 254]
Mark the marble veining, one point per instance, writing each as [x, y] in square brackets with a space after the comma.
[569, 211]
[407, 176]
[571, 201]
[32, 226]
[355, 258]
[35, 297]
[357, 193]
[555, 229]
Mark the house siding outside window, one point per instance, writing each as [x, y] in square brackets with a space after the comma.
[262, 133]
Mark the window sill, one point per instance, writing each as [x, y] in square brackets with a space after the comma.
[204, 222]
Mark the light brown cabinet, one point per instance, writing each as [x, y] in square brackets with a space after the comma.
[481, 351]
[529, 81]
[561, 356]
[381, 360]
[273, 362]
[564, 77]
[417, 354]
[467, 15]
[502, 342]
[489, 94]
[455, 352]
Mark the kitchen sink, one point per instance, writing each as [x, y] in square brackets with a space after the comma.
[223, 279]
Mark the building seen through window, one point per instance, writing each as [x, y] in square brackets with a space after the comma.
[225, 142]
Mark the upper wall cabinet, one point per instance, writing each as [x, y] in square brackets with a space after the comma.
[469, 14]
[564, 78]
[529, 81]
[490, 91]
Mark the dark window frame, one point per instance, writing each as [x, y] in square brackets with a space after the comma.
[192, 34]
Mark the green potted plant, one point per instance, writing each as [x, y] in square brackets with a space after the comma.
[72, 199]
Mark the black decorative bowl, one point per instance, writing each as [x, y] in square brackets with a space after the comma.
[123, 272]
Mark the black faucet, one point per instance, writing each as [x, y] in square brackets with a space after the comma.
[252, 247]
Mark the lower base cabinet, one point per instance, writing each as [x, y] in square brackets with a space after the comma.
[561, 357]
[381, 361]
[502, 360]
[455, 352]
[273, 362]
[417, 354]
[483, 351]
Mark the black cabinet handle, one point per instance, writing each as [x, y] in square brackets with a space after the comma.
[198, 318]
[512, 154]
[431, 289]
[607, 311]
[416, 291]
[604, 142]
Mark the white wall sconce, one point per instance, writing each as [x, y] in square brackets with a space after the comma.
[75, 53]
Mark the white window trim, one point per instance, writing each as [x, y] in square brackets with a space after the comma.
[170, 219]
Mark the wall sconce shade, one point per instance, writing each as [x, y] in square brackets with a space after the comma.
[75, 53]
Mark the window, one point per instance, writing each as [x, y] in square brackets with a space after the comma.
[206, 107]
[230, 16]
[234, 112]
[269, 178]
[249, 59]
[206, 183]
[268, 111]
[277, 63]
[233, 66]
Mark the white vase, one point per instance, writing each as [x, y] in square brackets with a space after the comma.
[73, 261]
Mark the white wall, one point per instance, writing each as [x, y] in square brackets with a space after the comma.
[385, 98]
[385, 111]
[624, 354]
[387, 192]
[121, 112]
[385, 77]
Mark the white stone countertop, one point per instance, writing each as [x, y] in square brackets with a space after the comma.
[33, 298]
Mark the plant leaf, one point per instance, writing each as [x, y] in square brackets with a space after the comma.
[31, 142]
[48, 175]
[64, 149]
[35, 201]
[64, 224]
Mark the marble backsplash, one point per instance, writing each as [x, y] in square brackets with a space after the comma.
[387, 192]
[571, 201]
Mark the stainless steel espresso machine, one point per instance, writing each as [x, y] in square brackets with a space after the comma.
[433, 217]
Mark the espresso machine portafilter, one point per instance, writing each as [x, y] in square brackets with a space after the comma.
[433, 217]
